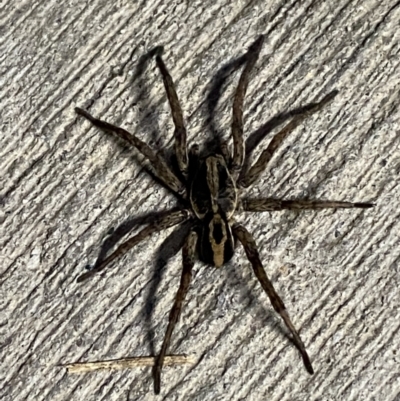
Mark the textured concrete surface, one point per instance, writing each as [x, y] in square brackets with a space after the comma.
[66, 187]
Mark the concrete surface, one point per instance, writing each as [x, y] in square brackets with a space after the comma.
[65, 186]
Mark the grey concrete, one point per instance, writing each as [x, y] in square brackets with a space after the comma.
[65, 185]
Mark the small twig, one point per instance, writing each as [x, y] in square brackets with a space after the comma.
[127, 363]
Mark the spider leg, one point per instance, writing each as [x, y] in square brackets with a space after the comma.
[159, 165]
[252, 253]
[259, 166]
[177, 116]
[160, 224]
[226, 153]
[188, 255]
[237, 118]
[194, 162]
[269, 205]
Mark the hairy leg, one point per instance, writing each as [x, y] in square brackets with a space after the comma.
[188, 255]
[269, 205]
[259, 166]
[252, 253]
[237, 120]
[226, 153]
[160, 224]
[177, 116]
[158, 164]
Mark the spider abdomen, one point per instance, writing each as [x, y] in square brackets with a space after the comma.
[216, 245]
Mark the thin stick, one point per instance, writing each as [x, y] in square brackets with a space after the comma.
[127, 363]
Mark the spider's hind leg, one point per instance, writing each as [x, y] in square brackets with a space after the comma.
[188, 256]
[252, 253]
[171, 219]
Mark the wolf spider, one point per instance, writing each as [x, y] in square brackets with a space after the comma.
[210, 187]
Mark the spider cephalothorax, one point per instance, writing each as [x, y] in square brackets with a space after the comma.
[211, 195]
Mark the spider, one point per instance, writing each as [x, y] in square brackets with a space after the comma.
[209, 188]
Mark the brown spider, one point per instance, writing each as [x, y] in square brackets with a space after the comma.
[210, 187]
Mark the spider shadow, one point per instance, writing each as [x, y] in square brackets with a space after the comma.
[114, 236]
[214, 141]
[157, 141]
[217, 87]
[138, 81]
[167, 250]
[258, 303]
[146, 121]
[173, 243]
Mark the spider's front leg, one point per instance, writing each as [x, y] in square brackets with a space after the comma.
[159, 165]
[247, 178]
[177, 116]
[188, 256]
[237, 118]
[252, 253]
